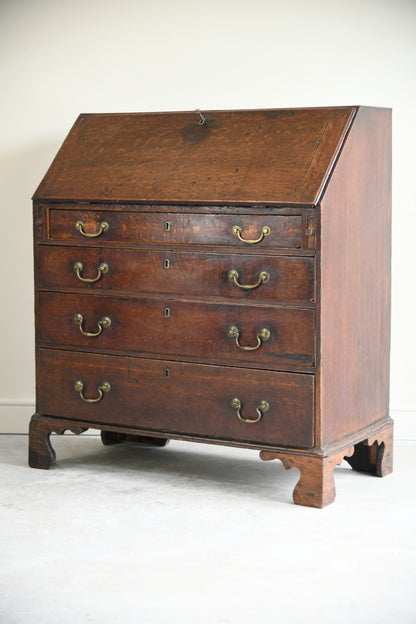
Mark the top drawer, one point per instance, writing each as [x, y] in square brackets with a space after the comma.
[244, 231]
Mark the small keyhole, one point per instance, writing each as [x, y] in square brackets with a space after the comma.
[167, 312]
[166, 263]
[166, 373]
[167, 226]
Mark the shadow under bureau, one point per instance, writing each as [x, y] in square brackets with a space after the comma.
[221, 277]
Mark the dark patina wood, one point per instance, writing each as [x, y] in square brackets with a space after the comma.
[135, 222]
[375, 454]
[316, 486]
[178, 328]
[189, 273]
[235, 156]
[41, 452]
[163, 395]
[176, 228]
[355, 251]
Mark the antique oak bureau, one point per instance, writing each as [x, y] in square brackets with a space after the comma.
[221, 277]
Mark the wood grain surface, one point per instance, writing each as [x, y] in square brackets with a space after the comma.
[178, 228]
[188, 273]
[355, 255]
[171, 187]
[235, 156]
[177, 328]
[190, 398]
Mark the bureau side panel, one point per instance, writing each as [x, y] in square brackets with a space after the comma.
[355, 252]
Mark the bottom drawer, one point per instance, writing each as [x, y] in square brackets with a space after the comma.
[177, 397]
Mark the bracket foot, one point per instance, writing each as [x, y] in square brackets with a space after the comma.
[41, 452]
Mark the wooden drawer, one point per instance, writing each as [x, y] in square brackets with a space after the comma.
[143, 270]
[176, 228]
[170, 327]
[178, 397]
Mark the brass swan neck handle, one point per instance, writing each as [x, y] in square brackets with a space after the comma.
[261, 407]
[233, 276]
[265, 231]
[262, 336]
[103, 227]
[103, 323]
[102, 269]
[103, 387]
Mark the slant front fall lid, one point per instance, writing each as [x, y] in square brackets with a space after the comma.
[259, 156]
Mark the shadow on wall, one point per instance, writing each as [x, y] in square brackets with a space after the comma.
[22, 171]
[20, 174]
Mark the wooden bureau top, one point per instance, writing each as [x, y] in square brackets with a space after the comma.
[278, 156]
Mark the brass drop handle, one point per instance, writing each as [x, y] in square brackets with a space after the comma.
[103, 323]
[103, 227]
[233, 276]
[261, 407]
[262, 336]
[265, 231]
[103, 387]
[78, 267]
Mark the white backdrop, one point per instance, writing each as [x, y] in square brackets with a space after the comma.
[62, 57]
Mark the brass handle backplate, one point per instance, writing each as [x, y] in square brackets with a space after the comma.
[103, 227]
[103, 323]
[265, 231]
[262, 336]
[102, 269]
[261, 407]
[233, 276]
[103, 387]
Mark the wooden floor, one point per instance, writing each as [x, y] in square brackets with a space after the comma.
[194, 533]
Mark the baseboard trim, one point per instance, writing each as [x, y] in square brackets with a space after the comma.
[404, 417]
[15, 415]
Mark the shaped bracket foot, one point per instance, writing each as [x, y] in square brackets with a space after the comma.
[375, 454]
[41, 452]
[316, 486]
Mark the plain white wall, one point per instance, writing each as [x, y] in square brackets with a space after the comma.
[62, 57]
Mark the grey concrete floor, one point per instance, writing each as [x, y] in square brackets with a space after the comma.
[199, 534]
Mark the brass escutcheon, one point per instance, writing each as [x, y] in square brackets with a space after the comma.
[261, 407]
[103, 323]
[103, 387]
[265, 231]
[262, 336]
[103, 227]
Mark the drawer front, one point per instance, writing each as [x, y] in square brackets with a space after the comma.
[177, 397]
[177, 228]
[282, 336]
[287, 278]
